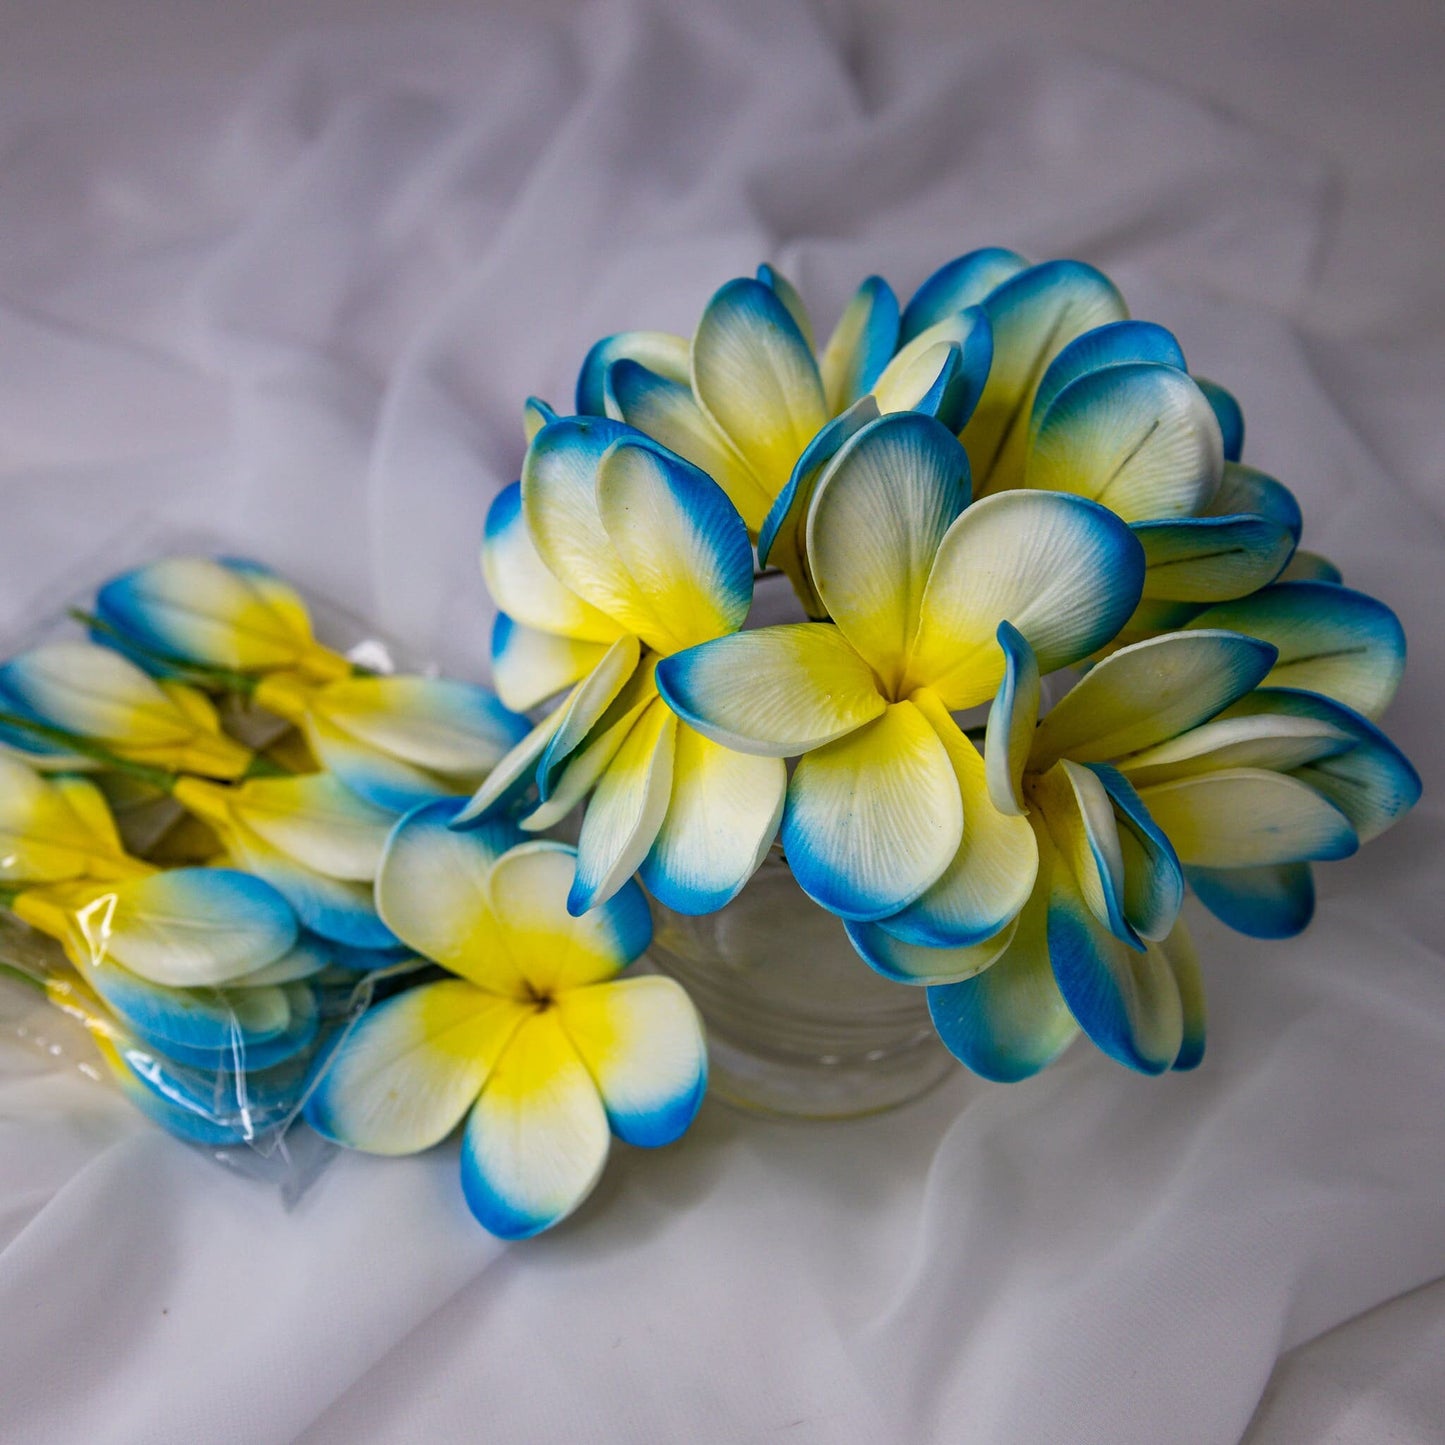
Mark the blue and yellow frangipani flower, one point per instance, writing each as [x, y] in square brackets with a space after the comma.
[536, 1042]
[1168, 760]
[56, 828]
[212, 613]
[397, 741]
[916, 581]
[609, 554]
[95, 695]
[312, 839]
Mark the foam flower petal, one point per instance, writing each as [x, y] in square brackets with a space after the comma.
[536, 414]
[873, 818]
[721, 819]
[877, 519]
[1034, 315]
[1127, 1000]
[244, 1051]
[666, 410]
[1010, 1020]
[1139, 438]
[1331, 640]
[1307, 566]
[94, 692]
[1212, 559]
[1183, 960]
[1147, 692]
[431, 891]
[990, 877]
[1083, 827]
[588, 703]
[864, 339]
[1248, 491]
[1066, 572]
[781, 540]
[627, 809]
[408, 1072]
[554, 952]
[528, 666]
[776, 691]
[512, 777]
[1274, 741]
[642, 1043]
[523, 587]
[1276, 900]
[791, 298]
[942, 370]
[1153, 880]
[754, 373]
[962, 282]
[1011, 722]
[679, 537]
[183, 927]
[382, 780]
[51, 830]
[919, 964]
[667, 355]
[1228, 414]
[1114, 344]
[1242, 817]
[536, 1141]
[223, 614]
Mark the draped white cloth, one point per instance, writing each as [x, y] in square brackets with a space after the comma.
[300, 313]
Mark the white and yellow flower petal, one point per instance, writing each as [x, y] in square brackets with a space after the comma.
[223, 614]
[536, 414]
[1244, 817]
[942, 371]
[1307, 566]
[1247, 491]
[1278, 742]
[1228, 413]
[627, 808]
[1034, 315]
[878, 516]
[864, 339]
[1153, 890]
[1011, 722]
[668, 355]
[777, 691]
[1276, 900]
[721, 818]
[667, 411]
[1116, 343]
[754, 374]
[1364, 775]
[1182, 958]
[96, 693]
[614, 679]
[513, 777]
[1065, 571]
[1331, 640]
[521, 584]
[989, 879]
[781, 539]
[1148, 692]
[1212, 559]
[431, 891]
[791, 298]
[642, 1043]
[529, 667]
[1139, 438]
[408, 1071]
[965, 281]
[874, 818]
[920, 964]
[536, 1141]
[1010, 1020]
[679, 537]
[51, 830]
[185, 927]
[1082, 826]
[553, 951]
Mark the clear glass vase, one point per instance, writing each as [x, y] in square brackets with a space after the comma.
[798, 1025]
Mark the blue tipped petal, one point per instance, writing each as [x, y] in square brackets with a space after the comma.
[864, 339]
[1229, 415]
[1331, 640]
[789, 295]
[1275, 901]
[529, 666]
[1310, 567]
[941, 372]
[1113, 344]
[918, 963]
[1212, 559]
[657, 350]
[964, 281]
[1011, 721]
[1246, 491]
[1153, 879]
[236, 1056]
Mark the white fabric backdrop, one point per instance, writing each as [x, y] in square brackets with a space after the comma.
[300, 308]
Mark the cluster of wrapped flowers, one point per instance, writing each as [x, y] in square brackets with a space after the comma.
[1004, 494]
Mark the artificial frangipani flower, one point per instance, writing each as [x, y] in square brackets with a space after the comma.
[656, 559]
[535, 1041]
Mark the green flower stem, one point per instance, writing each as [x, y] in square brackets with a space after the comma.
[201, 675]
[11, 971]
[89, 748]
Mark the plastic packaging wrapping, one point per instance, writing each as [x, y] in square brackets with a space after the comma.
[184, 879]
